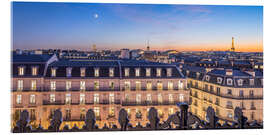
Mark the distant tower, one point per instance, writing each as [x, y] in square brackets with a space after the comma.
[232, 49]
[148, 48]
[94, 48]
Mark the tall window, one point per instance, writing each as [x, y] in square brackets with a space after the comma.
[229, 92]
[96, 85]
[171, 98]
[180, 85]
[241, 93]
[158, 72]
[170, 85]
[53, 72]
[68, 114]
[111, 85]
[33, 85]
[69, 72]
[96, 72]
[34, 71]
[82, 85]
[52, 98]
[96, 98]
[97, 111]
[68, 85]
[149, 98]
[68, 98]
[137, 72]
[159, 98]
[181, 97]
[170, 111]
[19, 99]
[111, 98]
[82, 72]
[159, 85]
[126, 72]
[20, 85]
[149, 85]
[251, 82]
[82, 98]
[169, 72]
[111, 111]
[127, 85]
[111, 72]
[138, 85]
[218, 90]
[148, 72]
[138, 98]
[82, 114]
[126, 97]
[240, 82]
[21, 70]
[251, 93]
[53, 85]
[32, 99]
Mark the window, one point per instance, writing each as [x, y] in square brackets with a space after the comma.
[69, 72]
[242, 105]
[229, 92]
[53, 85]
[32, 114]
[251, 82]
[82, 85]
[126, 97]
[149, 98]
[170, 85]
[217, 101]
[138, 98]
[206, 87]
[181, 97]
[149, 85]
[158, 72]
[82, 72]
[21, 70]
[96, 72]
[20, 85]
[33, 85]
[219, 80]
[229, 81]
[218, 90]
[32, 99]
[68, 98]
[229, 104]
[160, 113]
[159, 85]
[53, 72]
[68, 85]
[251, 93]
[169, 72]
[96, 111]
[34, 71]
[19, 99]
[127, 85]
[207, 77]
[240, 82]
[159, 98]
[148, 72]
[52, 98]
[82, 98]
[68, 114]
[180, 85]
[211, 88]
[138, 113]
[96, 98]
[170, 111]
[111, 98]
[252, 115]
[241, 93]
[96, 85]
[111, 72]
[111, 85]
[126, 72]
[138, 85]
[170, 98]
[111, 112]
[137, 72]
[82, 114]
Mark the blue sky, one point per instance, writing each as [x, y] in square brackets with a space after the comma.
[180, 27]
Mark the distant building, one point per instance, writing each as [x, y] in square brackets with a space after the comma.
[125, 54]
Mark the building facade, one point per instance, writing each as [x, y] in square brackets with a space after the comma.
[42, 84]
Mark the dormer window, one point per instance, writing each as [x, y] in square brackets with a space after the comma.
[148, 72]
[96, 72]
[21, 71]
[34, 71]
[229, 81]
[158, 72]
[240, 82]
[219, 80]
[137, 72]
[126, 72]
[111, 72]
[82, 72]
[169, 72]
[53, 72]
[251, 82]
[207, 77]
[69, 71]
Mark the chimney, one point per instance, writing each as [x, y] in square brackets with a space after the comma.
[229, 72]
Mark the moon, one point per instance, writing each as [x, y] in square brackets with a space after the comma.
[95, 16]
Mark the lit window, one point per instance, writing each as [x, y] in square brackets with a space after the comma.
[148, 72]
[82, 72]
[97, 112]
[96, 72]
[159, 85]
[138, 113]
[52, 98]
[207, 77]
[137, 72]
[32, 99]
[149, 85]
[82, 85]
[82, 98]
[69, 72]
[96, 98]
[170, 85]
[138, 98]
[53, 85]
[170, 111]
[127, 85]
[170, 98]
[181, 97]
[82, 114]
[160, 113]
[53, 72]
[34, 71]
[33, 85]
[20, 85]
[68, 98]
[138, 85]
[19, 99]
[149, 98]
[111, 85]
[219, 80]
[111, 72]
[159, 98]
[96, 85]
[126, 72]
[251, 81]
[126, 97]
[111, 111]
[240, 82]
[180, 85]
[158, 72]
[169, 72]
[68, 85]
[21, 70]
[111, 98]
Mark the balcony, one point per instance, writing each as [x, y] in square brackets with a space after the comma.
[57, 102]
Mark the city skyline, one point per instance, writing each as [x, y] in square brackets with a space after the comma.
[117, 26]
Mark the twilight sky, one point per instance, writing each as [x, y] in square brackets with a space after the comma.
[116, 26]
